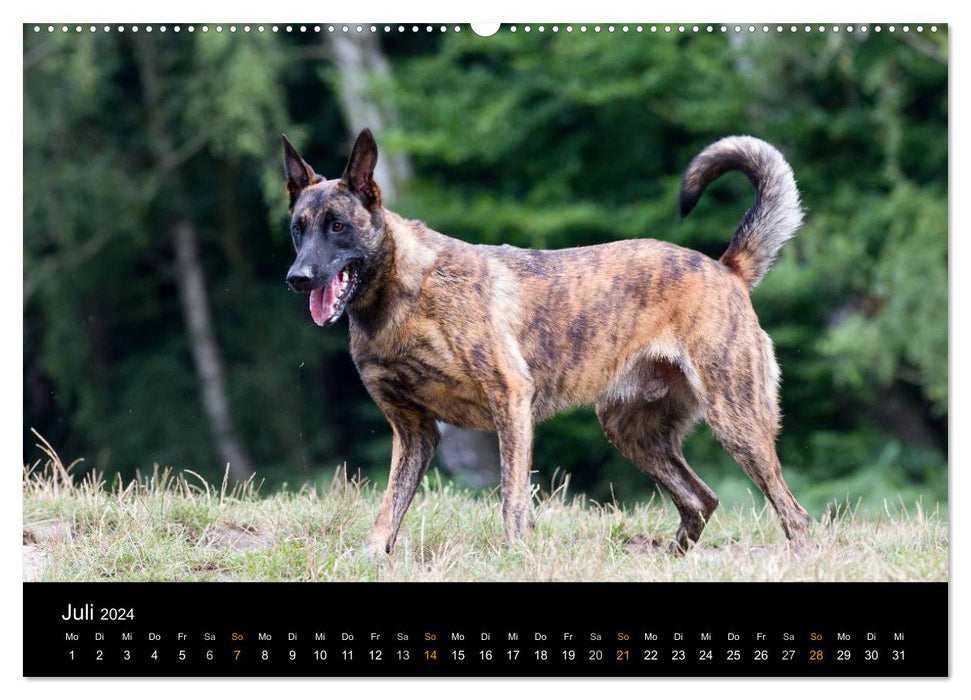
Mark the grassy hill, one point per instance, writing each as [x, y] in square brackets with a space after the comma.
[175, 526]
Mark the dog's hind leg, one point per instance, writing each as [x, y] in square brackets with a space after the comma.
[752, 444]
[415, 440]
[742, 410]
[649, 434]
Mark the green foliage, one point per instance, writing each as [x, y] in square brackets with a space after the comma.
[902, 332]
[538, 140]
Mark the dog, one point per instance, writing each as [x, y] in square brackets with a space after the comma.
[499, 338]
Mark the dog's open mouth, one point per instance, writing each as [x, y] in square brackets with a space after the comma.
[327, 303]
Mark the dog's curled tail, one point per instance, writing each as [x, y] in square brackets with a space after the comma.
[773, 219]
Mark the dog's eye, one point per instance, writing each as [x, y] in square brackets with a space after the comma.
[337, 227]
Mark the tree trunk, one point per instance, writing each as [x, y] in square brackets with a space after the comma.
[195, 309]
[359, 59]
[471, 457]
[190, 277]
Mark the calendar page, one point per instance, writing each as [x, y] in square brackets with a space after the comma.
[546, 349]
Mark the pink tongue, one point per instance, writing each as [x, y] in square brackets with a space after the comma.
[323, 300]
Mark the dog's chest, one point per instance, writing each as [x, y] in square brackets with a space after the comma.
[423, 376]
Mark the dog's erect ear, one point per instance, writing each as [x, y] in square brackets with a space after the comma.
[359, 173]
[299, 174]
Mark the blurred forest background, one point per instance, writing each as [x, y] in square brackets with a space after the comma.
[157, 327]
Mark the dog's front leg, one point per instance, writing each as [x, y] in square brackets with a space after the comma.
[413, 447]
[512, 413]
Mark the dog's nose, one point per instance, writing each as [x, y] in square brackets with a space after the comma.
[300, 279]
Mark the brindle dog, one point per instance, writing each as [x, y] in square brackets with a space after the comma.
[500, 338]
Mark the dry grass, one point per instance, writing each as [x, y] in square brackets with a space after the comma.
[177, 527]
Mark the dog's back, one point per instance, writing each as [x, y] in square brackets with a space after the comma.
[583, 322]
[590, 315]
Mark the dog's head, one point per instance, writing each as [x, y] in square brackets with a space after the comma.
[337, 228]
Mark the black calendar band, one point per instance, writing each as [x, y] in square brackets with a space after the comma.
[486, 629]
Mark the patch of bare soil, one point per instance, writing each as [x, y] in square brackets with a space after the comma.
[57, 530]
[644, 544]
[35, 562]
[242, 538]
